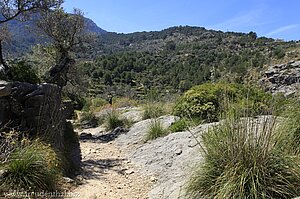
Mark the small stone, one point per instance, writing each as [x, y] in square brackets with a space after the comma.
[153, 179]
[168, 163]
[178, 151]
[2, 171]
[129, 171]
[68, 180]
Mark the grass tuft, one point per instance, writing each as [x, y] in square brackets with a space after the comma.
[156, 130]
[31, 167]
[244, 158]
[114, 120]
[153, 110]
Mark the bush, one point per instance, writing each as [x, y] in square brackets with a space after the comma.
[32, 167]
[208, 101]
[156, 130]
[245, 158]
[153, 110]
[88, 118]
[22, 71]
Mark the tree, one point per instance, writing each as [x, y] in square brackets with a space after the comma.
[67, 33]
[19, 9]
[5, 36]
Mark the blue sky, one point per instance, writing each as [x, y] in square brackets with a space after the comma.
[271, 18]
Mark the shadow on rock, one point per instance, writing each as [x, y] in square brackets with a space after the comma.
[105, 138]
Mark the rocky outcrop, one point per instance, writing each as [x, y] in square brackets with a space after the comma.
[282, 78]
[170, 159]
[37, 110]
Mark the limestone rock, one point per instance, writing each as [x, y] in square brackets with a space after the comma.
[5, 88]
[282, 78]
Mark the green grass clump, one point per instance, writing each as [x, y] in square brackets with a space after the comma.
[246, 158]
[156, 130]
[113, 120]
[89, 118]
[180, 125]
[184, 124]
[31, 167]
[153, 110]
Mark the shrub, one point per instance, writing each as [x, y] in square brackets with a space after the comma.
[88, 118]
[156, 130]
[153, 110]
[22, 71]
[208, 101]
[245, 158]
[32, 167]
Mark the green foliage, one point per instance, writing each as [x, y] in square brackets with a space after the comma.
[278, 53]
[113, 120]
[153, 110]
[245, 158]
[180, 125]
[32, 166]
[208, 101]
[94, 104]
[124, 102]
[291, 124]
[22, 71]
[88, 117]
[156, 130]
[78, 101]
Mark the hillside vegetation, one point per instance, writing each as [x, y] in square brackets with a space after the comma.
[177, 58]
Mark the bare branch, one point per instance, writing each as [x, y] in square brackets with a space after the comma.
[19, 9]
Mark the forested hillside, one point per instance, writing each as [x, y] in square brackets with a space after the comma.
[173, 59]
[179, 57]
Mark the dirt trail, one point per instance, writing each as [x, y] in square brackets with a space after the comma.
[108, 174]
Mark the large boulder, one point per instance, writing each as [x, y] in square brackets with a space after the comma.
[37, 110]
[282, 78]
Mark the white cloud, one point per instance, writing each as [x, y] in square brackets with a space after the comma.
[282, 29]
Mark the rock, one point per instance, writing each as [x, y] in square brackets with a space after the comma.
[129, 171]
[139, 130]
[282, 78]
[2, 172]
[38, 110]
[5, 89]
[169, 158]
[178, 151]
[85, 136]
[68, 180]
[134, 114]
[153, 179]
[79, 178]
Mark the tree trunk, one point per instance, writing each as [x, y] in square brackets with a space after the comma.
[2, 61]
